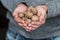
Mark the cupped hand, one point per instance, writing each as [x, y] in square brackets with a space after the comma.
[41, 12]
[20, 8]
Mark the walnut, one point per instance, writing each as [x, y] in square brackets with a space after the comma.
[32, 9]
[35, 18]
[21, 14]
[29, 14]
[24, 18]
[28, 21]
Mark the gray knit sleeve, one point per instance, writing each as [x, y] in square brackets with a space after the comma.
[53, 8]
[11, 4]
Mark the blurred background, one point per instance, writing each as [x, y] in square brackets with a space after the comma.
[3, 22]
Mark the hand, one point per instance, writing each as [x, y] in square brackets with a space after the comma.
[42, 17]
[20, 8]
[32, 26]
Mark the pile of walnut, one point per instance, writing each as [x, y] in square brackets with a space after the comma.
[30, 15]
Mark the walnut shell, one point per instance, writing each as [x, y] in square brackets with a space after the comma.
[21, 14]
[32, 9]
[35, 18]
[29, 14]
[24, 18]
[28, 21]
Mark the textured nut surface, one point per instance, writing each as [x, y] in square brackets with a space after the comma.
[29, 14]
[32, 9]
[35, 18]
[21, 14]
[28, 21]
[24, 18]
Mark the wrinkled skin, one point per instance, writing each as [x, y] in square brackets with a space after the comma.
[41, 12]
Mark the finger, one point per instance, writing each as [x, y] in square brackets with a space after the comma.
[29, 24]
[16, 11]
[19, 20]
[28, 28]
[20, 24]
[39, 14]
[25, 25]
[43, 16]
[36, 23]
[34, 28]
